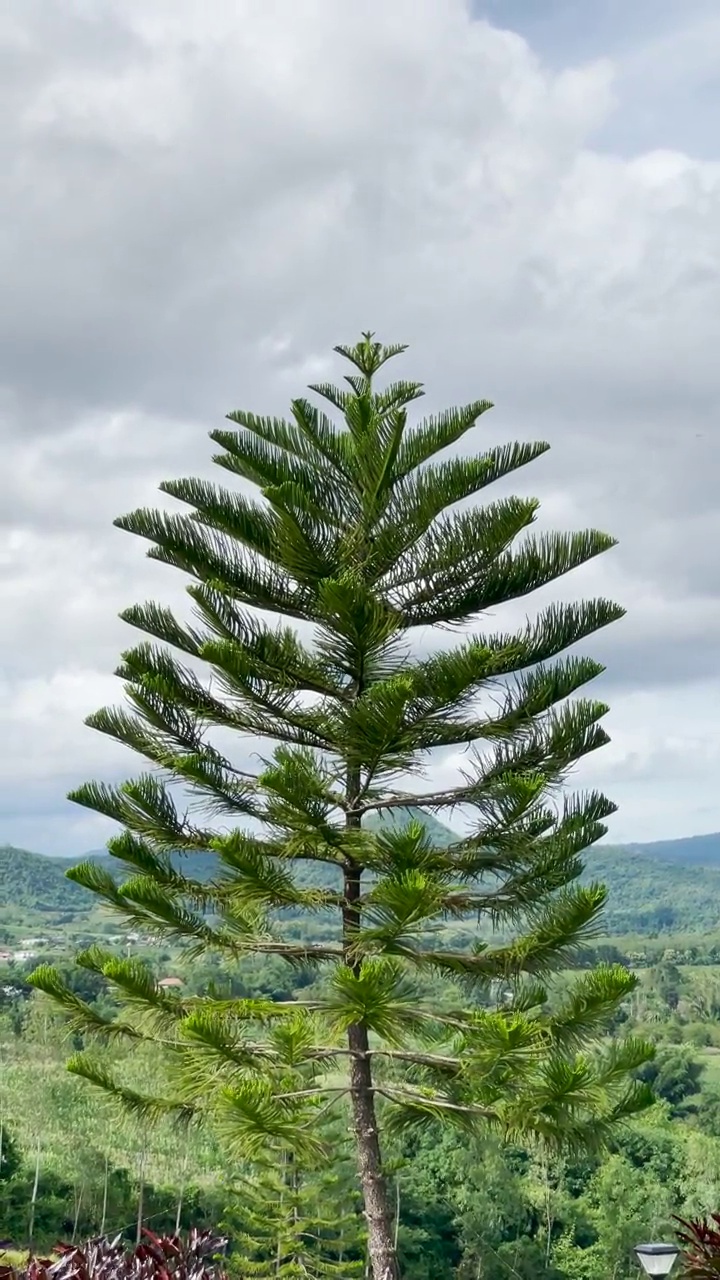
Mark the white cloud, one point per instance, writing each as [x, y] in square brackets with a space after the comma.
[200, 200]
[662, 766]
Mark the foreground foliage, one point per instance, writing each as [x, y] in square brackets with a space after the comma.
[366, 541]
[153, 1258]
[464, 1204]
[700, 1239]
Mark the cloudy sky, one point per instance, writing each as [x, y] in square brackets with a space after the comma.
[200, 197]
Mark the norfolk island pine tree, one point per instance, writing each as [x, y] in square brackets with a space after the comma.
[307, 599]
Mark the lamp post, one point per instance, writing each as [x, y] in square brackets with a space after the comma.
[657, 1260]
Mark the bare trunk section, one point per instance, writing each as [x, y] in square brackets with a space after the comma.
[181, 1192]
[382, 1253]
[378, 1212]
[79, 1194]
[141, 1199]
[33, 1200]
[105, 1195]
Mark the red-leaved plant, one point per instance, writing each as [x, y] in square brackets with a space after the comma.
[700, 1241]
[155, 1258]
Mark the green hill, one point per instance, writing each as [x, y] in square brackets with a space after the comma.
[36, 882]
[671, 886]
[32, 882]
[200, 866]
[440, 834]
[649, 894]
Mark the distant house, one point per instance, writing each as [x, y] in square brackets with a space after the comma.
[21, 956]
[5, 957]
[173, 983]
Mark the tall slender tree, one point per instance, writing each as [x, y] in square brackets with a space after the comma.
[324, 608]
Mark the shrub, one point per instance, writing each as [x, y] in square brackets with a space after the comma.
[700, 1242]
[155, 1258]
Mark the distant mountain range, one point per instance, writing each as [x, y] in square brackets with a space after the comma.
[697, 851]
[665, 886]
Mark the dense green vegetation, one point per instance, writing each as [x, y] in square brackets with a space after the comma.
[461, 1208]
[466, 1206]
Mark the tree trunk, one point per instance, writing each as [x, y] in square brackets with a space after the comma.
[141, 1199]
[78, 1208]
[181, 1193]
[295, 1191]
[33, 1201]
[378, 1213]
[105, 1195]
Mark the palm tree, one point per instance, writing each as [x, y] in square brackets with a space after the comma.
[323, 612]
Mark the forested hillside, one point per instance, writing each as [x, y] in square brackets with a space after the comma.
[30, 881]
[466, 1206]
[670, 886]
[649, 893]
